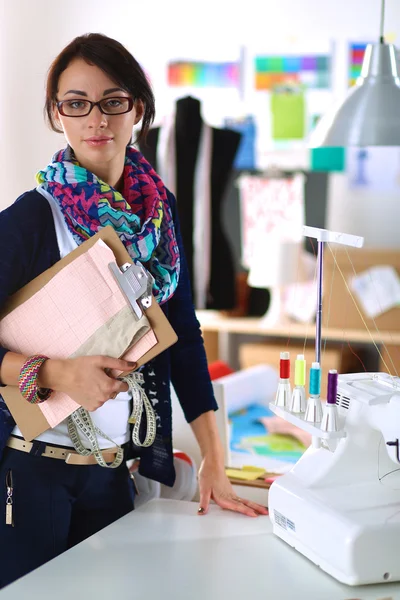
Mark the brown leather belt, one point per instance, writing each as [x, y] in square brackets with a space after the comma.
[69, 456]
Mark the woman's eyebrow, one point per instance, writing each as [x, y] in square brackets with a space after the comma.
[79, 92]
[112, 90]
[105, 93]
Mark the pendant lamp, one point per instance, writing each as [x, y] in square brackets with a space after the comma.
[370, 114]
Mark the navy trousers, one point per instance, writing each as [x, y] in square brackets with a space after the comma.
[55, 506]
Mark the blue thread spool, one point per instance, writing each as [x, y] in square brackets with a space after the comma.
[315, 379]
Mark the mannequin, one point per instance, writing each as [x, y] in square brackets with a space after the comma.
[224, 144]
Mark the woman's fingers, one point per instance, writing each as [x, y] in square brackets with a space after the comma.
[205, 496]
[117, 387]
[241, 505]
[108, 362]
[262, 510]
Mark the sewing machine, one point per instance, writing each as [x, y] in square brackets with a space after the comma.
[340, 504]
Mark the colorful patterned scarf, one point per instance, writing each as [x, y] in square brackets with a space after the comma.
[141, 215]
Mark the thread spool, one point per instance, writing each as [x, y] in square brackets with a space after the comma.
[298, 400]
[330, 419]
[332, 386]
[300, 370]
[314, 408]
[315, 379]
[284, 392]
[284, 365]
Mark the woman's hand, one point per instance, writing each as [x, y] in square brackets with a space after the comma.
[85, 379]
[214, 484]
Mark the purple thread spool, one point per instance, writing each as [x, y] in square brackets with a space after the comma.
[332, 386]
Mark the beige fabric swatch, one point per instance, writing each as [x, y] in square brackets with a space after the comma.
[115, 337]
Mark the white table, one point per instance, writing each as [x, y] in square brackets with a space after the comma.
[164, 550]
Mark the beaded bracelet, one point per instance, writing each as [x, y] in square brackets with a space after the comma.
[27, 381]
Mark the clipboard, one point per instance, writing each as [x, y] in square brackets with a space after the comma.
[29, 417]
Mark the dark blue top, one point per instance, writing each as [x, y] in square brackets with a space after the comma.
[28, 246]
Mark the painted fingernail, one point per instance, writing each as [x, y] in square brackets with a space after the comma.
[131, 364]
[201, 511]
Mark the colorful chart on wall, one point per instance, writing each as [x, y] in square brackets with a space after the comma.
[356, 57]
[208, 72]
[203, 74]
[309, 70]
[288, 85]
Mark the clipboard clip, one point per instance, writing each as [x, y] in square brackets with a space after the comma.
[136, 283]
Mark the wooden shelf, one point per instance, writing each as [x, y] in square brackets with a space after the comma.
[214, 321]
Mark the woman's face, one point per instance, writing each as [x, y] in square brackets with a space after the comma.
[96, 139]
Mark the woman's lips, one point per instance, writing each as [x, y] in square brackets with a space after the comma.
[98, 141]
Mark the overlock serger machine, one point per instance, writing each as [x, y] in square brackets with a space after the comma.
[340, 503]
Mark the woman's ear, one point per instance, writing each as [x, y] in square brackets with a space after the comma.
[139, 106]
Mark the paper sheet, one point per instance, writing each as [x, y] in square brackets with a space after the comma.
[377, 290]
[288, 116]
[62, 321]
[251, 443]
[246, 473]
[272, 208]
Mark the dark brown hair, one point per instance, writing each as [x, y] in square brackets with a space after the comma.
[112, 58]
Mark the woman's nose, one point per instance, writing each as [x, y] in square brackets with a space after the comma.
[97, 118]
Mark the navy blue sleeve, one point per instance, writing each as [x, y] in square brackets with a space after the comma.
[28, 245]
[189, 370]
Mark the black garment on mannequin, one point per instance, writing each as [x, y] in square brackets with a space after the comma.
[188, 125]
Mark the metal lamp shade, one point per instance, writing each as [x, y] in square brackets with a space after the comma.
[370, 115]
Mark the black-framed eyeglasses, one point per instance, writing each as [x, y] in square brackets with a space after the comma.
[77, 107]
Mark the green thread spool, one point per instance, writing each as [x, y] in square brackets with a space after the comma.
[300, 370]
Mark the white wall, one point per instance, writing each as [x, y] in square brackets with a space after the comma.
[32, 32]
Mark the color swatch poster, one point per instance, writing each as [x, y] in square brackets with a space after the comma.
[356, 57]
[308, 70]
[203, 74]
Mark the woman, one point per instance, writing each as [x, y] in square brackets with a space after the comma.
[96, 94]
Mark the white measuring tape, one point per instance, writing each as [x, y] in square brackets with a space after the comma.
[80, 421]
[135, 382]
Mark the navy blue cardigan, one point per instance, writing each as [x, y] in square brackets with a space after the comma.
[28, 246]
